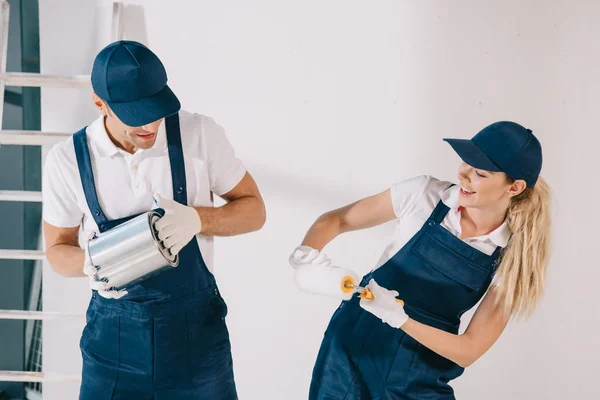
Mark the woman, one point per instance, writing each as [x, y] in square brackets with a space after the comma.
[450, 244]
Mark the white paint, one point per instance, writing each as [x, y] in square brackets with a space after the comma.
[328, 102]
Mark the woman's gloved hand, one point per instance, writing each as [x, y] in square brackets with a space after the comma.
[305, 255]
[384, 305]
[178, 226]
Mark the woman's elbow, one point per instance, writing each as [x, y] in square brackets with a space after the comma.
[469, 358]
[469, 355]
[466, 362]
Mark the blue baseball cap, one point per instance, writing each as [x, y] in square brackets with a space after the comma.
[133, 82]
[503, 147]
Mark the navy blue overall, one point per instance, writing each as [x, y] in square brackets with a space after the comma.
[439, 277]
[166, 339]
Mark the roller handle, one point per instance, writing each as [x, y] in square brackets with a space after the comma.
[367, 294]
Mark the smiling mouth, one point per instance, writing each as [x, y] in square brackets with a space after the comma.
[147, 137]
[466, 192]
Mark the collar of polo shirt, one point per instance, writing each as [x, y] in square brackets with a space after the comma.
[498, 236]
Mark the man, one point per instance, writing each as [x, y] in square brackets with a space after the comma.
[163, 338]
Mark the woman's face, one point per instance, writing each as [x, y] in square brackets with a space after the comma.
[485, 189]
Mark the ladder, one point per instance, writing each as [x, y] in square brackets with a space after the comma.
[45, 140]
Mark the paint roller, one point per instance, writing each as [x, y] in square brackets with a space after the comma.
[336, 282]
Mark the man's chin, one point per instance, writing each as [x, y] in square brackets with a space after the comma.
[142, 144]
[146, 146]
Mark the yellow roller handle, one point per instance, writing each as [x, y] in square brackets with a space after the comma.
[348, 284]
[367, 294]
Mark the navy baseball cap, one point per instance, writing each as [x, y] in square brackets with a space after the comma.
[503, 147]
[133, 82]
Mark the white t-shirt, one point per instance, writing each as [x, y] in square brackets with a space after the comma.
[415, 199]
[126, 182]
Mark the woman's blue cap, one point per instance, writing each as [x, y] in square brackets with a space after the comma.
[133, 82]
[503, 147]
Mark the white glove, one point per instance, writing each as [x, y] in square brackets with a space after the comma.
[103, 288]
[305, 255]
[178, 226]
[384, 305]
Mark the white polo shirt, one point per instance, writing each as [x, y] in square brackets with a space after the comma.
[415, 199]
[126, 182]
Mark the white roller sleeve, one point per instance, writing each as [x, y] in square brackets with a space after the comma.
[326, 280]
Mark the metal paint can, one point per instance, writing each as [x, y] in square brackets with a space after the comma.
[131, 252]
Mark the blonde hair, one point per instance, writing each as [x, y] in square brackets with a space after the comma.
[523, 265]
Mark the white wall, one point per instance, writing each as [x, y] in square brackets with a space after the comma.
[328, 102]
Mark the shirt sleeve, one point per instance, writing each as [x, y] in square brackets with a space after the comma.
[60, 206]
[225, 170]
[406, 194]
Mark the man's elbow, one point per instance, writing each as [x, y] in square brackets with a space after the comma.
[50, 257]
[262, 219]
[57, 266]
[54, 265]
[260, 215]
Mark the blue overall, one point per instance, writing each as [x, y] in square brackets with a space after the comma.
[167, 338]
[439, 277]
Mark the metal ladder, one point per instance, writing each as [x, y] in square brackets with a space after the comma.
[45, 140]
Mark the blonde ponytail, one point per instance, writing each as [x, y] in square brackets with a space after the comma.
[522, 270]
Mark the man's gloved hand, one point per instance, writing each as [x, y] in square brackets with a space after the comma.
[178, 226]
[103, 288]
[305, 255]
[384, 305]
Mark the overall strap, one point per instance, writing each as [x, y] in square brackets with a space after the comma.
[496, 256]
[440, 211]
[176, 159]
[86, 174]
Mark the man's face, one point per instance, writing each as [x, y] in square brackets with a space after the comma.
[141, 137]
[130, 138]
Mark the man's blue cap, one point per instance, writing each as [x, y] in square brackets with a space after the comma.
[133, 82]
[503, 147]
